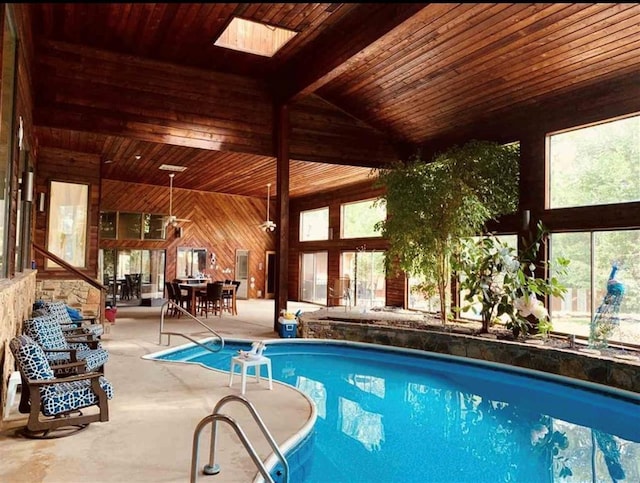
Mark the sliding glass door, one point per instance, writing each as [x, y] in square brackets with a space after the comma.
[116, 264]
[367, 274]
[313, 277]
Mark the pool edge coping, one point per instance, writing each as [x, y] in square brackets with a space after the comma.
[290, 443]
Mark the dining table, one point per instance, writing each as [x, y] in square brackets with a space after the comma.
[193, 289]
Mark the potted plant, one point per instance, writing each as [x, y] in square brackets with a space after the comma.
[431, 206]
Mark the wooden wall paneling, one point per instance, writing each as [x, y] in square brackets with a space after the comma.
[322, 133]
[219, 223]
[184, 33]
[584, 105]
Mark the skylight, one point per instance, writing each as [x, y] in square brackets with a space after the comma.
[254, 38]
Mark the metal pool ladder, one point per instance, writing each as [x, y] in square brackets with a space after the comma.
[181, 334]
[212, 468]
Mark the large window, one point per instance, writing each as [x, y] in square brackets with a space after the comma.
[108, 223]
[6, 132]
[314, 224]
[131, 226]
[595, 165]
[68, 223]
[358, 219]
[592, 256]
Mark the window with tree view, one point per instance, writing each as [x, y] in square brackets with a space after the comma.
[314, 224]
[595, 165]
[358, 219]
[68, 215]
[592, 256]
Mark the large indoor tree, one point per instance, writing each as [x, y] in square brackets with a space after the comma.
[433, 204]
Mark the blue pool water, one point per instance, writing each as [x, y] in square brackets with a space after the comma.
[391, 415]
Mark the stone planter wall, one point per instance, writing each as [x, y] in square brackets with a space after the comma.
[599, 369]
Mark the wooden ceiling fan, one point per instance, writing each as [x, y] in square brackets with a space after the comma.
[172, 220]
[268, 225]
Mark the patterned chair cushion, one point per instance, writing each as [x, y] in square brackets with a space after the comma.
[48, 333]
[59, 312]
[93, 358]
[69, 396]
[60, 397]
[31, 358]
[45, 331]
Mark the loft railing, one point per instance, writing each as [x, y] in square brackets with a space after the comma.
[70, 268]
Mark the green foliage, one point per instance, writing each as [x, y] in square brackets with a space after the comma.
[505, 284]
[432, 206]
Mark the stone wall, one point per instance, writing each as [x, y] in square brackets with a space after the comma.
[16, 301]
[75, 293]
[621, 374]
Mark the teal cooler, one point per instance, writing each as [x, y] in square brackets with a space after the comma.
[287, 328]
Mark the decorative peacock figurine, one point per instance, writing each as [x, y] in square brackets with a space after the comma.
[606, 318]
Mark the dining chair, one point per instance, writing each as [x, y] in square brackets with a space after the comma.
[125, 289]
[228, 296]
[181, 298]
[212, 301]
[171, 296]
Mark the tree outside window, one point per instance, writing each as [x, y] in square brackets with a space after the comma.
[68, 223]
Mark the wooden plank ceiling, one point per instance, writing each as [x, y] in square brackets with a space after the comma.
[364, 82]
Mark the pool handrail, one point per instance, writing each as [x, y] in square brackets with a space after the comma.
[181, 334]
[212, 467]
[261, 425]
[215, 469]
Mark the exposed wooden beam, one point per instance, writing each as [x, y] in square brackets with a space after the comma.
[281, 139]
[331, 55]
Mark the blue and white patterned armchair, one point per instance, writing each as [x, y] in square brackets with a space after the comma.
[55, 404]
[58, 310]
[46, 331]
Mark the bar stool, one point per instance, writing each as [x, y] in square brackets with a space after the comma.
[254, 359]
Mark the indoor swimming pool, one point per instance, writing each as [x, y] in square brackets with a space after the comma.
[389, 414]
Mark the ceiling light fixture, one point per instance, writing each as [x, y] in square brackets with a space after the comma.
[268, 225]
[172, 167]
[137, 156]
[172, 219]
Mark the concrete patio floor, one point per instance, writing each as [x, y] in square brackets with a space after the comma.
[156, 408]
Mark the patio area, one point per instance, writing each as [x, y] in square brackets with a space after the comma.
[156, 408]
